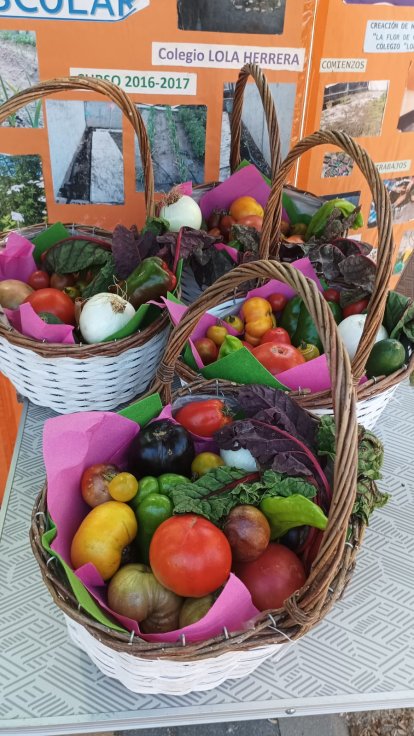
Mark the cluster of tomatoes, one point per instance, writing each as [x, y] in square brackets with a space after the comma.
[243, 211]
[256, 329]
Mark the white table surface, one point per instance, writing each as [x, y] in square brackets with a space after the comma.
[360, 657]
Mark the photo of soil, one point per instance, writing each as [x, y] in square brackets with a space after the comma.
[406, 119]
[254, 142]
[85, 141]
[401, 192]
[356, 108]
[18, 70]
[232, 16]
[405, 251]
[177, 136]
[336, 163]
[22, 192]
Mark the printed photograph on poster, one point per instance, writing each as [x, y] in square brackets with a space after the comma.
[254, 142]
[404, 252]
[353, 197]
[357, 108]
[336, 163]
[85, 142]
[177, 136]
[232, 16]
[398, 3]
[401, 193]
[406, 119]
[22, 191]
[18, 70]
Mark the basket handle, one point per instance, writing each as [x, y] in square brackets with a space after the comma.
[256, 73]
[376, 306]
[62, 84]
[343, 391]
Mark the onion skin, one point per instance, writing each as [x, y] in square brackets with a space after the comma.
[180, 210]
[102, 315]
[13, 293]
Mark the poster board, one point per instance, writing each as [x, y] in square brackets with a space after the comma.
[179, 61]
[362, 81]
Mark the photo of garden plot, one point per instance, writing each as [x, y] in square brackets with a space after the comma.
[22, 191]
[177, 136]
[18, 70]
[357, 108]
[85, 141]
[254, 141]
[337, 163]
[401, 193]
[232, 16]
[405, 252]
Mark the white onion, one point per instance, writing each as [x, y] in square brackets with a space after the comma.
[350, 330]
[180, 210]
[241, 459]
[104, 314]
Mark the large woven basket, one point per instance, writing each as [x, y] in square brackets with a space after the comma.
[373, 395]
[182, 667]
[70, 378]
[189, 287]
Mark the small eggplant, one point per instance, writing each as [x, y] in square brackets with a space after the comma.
[161, 447]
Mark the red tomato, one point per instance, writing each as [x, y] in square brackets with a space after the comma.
[355, 308]
[94, 483]
[203, 417]
[207, 350]
[251, 221]
[277, 302]
[54, 301]
[225, 225]
[38, 280]
[247, 345]
[61, 280]
[331, 295]
[277, 357]
[190, 556]
[272, 577]
[276, 334]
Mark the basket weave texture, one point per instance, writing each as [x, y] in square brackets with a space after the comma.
[329, 574]
[70, 378]
[372, 396]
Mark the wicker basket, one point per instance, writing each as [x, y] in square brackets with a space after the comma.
[70, 378]
[189, 287]
[373, 395]
[182, 667]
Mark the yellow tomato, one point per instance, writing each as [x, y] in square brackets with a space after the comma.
[234, 321]
[123, 487]
[217, 333]
[102, 536]
[243, 206]
[254, 308]
[204, 462]
[258, 327]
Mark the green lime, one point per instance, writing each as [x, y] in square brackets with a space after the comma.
[386, 357]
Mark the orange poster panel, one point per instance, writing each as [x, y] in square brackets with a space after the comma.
[362, 82]
[178, 59]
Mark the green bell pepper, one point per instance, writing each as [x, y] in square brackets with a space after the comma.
[229, 345]
[149, 485]
[290, 315]
[150, 280]
[284, 513]
[306, 329]
[151, 512]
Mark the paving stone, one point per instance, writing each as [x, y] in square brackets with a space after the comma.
[233, 728]
[328, 725]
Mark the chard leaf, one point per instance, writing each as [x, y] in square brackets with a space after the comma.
[394, 310]
[405, 325]
[155, 225]
[74, 255]
[102, 280]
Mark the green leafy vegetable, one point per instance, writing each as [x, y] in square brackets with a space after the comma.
[405, 326]
[216, 493]
[370, 460]
[155, 225]
[102, 281]
[74, 255]
[394, 309]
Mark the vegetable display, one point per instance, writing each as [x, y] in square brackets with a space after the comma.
[253, 503]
